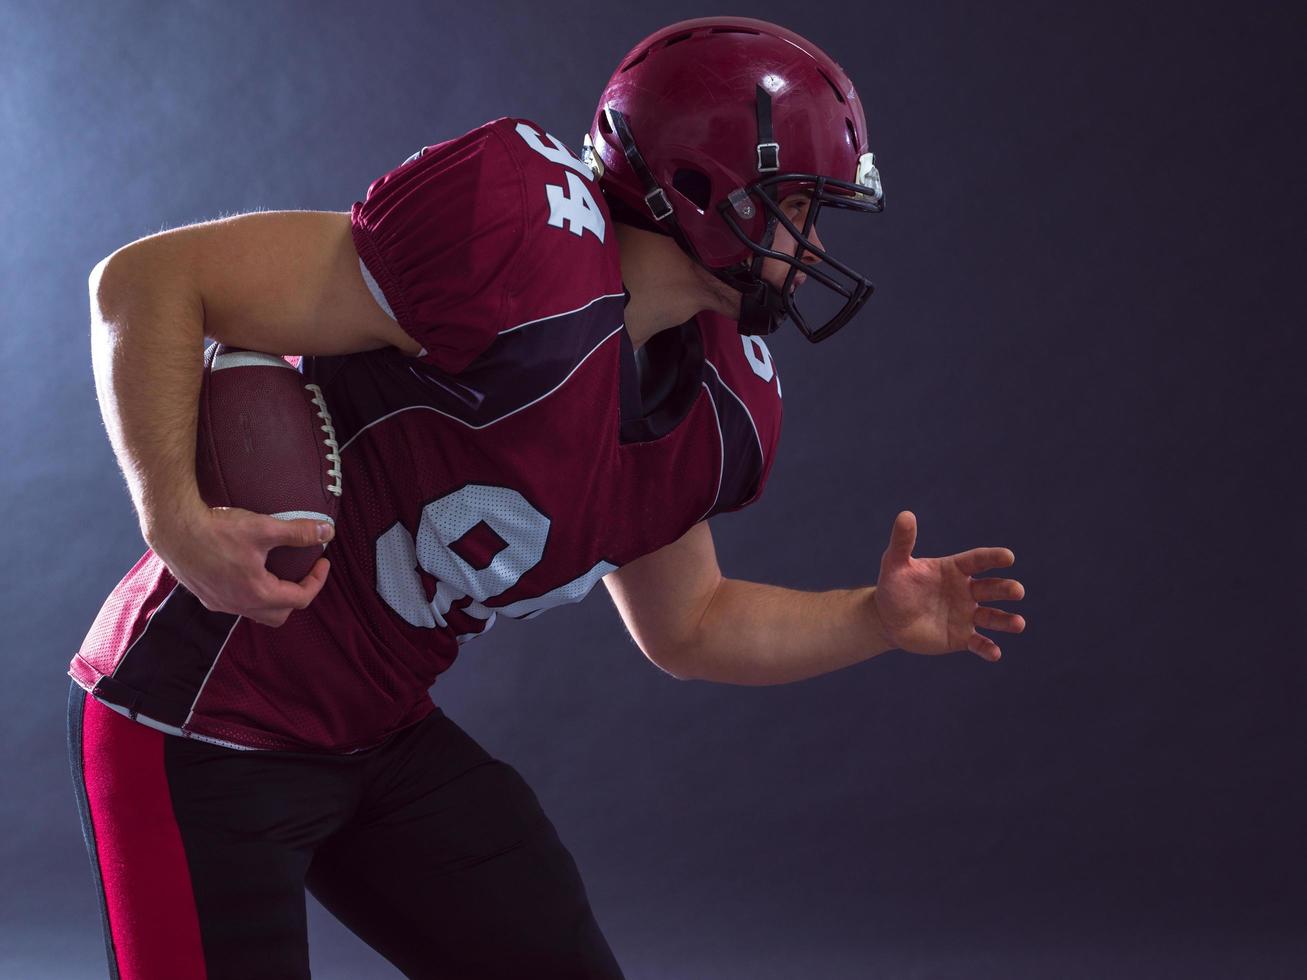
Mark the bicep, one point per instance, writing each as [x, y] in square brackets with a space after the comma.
[662, 596]
[279, 281]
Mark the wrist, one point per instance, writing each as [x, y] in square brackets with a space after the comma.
[873, 625]
[164, 521]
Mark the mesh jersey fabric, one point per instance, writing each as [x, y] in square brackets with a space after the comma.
[502, 472]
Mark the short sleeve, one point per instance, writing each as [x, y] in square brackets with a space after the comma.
[437, 239]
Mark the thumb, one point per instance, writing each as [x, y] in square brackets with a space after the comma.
[300, 530]
[903, 536]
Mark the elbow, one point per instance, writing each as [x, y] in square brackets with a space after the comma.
[117, 272]
[101, 322]
[678, 675]
[97, 276]
[675, 665]
[95, 281]
[101, 286]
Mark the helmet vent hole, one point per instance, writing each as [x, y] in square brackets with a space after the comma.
[678, 38]
[636, 60]
[694, 185]
[853, 134]
[833, 87]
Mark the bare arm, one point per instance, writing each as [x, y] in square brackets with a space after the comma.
[662, 595]
[148, 381]
[281, 282]
[697, 625]
[759, 634]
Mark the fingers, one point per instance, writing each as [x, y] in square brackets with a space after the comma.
[991, 590]
[903, 536]
[223, 563]
[278, 593]
[984, 647]
[981, 559]
[997, 589]
[993, 619]
[280, 598]
[295, 532]
[997, 619]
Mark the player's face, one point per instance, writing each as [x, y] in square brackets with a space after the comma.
[774, 270]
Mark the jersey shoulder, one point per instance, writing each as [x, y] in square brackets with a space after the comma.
[477, 235]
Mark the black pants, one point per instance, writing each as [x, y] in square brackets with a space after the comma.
[436, 855]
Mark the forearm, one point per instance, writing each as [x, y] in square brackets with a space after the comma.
[147, 337]
[759, 634]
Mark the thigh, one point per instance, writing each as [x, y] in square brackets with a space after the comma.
[452, 870]
[198, 865]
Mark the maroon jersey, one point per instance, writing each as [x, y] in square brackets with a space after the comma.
[526, 452]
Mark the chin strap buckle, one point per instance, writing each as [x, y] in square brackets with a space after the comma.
[659, 206]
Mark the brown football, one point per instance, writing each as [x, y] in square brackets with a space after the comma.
[265, 443]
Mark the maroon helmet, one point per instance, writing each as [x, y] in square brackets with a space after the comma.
[707, 126]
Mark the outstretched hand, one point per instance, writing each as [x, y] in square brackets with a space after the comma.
[932, 605]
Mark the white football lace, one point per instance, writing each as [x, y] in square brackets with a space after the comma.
[333, 447]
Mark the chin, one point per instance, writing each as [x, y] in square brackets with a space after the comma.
[726, 300]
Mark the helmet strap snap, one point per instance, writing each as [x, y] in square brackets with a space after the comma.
[654, 196]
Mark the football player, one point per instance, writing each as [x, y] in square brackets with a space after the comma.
[546, 369]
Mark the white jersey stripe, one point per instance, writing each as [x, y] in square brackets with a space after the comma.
[721, 441]
[555, 316]
[429, 408]
[761, 455]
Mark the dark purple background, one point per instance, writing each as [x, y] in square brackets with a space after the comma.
[1086, 346]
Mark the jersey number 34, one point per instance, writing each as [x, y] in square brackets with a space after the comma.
[572, 206]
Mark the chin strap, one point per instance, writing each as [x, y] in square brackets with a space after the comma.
[762, 310]
[655, 198]
[757, 317]
[769, 151]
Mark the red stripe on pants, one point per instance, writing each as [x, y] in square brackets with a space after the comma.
[147, 884]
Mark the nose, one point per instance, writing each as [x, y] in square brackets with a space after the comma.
[808, 257]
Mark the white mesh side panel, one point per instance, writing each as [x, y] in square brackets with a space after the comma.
[375, 290]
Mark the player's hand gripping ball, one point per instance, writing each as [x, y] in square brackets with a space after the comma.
[265, 443]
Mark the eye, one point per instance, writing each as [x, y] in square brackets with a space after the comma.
[795, 207]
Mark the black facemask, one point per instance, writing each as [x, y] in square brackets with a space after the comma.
[764, 307]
